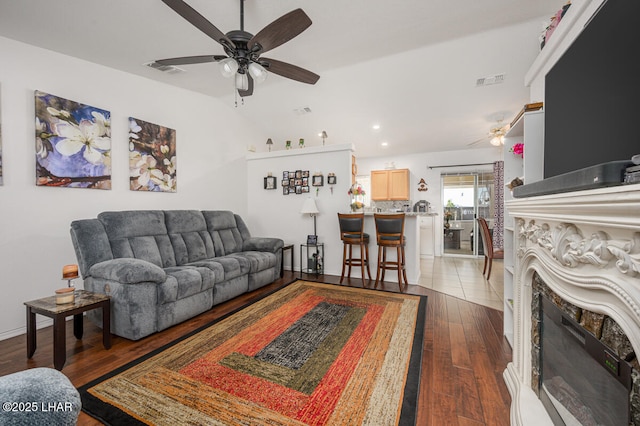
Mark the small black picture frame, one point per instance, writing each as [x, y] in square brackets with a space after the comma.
[331, 179]
[285, 190]
[270, 182]
[312, 240]
[317, 180]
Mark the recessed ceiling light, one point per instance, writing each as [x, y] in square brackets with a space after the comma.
[384, 144]
[376, 127]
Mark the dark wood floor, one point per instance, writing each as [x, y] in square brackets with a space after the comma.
[461, 379]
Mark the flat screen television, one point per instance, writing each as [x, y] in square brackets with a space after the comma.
[592, 93]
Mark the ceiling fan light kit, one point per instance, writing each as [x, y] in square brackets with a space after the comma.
[243, 49]
[242, 82]
[228, 67]
[497, 141]
[257, 72]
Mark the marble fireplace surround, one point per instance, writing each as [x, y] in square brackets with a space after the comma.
[585, 245]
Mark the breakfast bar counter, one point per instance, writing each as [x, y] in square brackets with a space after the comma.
[412, 248]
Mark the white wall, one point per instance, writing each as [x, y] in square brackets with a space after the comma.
[279, 215]
[419, 166]
[34, 221]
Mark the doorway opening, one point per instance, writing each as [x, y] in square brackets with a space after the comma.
[465, 197]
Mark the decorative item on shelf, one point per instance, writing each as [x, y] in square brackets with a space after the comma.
[357, 193]
[270, 181]
[515, 182]
[324, 136]
[301, 143]
[517, 149]
[309, 207]
[553, 24]
[287, 145]
[422, 185]
[269, 143]
[69, 273]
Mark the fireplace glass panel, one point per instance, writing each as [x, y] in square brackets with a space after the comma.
[576, 388]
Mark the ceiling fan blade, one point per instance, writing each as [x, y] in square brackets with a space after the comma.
[249, 90]
[280, 31]
[289, 71]
[199, 21]
[187, 60]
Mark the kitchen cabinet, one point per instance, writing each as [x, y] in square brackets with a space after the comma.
[390, 185]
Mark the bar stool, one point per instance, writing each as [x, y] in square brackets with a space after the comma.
[390, 233]
[352, 234]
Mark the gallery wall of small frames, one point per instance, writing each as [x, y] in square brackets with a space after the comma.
[299, 181]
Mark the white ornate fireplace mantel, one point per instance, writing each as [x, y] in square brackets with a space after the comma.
[585, 246]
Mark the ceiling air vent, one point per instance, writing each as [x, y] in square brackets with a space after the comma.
[169, 69]
[302, 110]
[493, 79]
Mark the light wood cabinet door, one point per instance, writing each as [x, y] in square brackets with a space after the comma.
[399, 184]
[390, 185]
[379, 185]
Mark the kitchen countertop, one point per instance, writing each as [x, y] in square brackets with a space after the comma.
[409, 214]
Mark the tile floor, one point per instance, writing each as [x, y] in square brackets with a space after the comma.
[462, 277]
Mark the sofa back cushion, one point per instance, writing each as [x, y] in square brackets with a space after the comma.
[189, 236]
[90, 243]
[139, 234]
[224, 232]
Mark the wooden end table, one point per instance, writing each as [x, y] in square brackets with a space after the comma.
[84, 301]
[284, 248]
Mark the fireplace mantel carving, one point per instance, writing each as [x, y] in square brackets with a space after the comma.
[567, 245]
[585, 245]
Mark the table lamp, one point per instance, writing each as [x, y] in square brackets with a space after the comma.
[309, 207]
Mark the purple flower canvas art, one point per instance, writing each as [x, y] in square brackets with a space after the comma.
[152, 157]
[73, 143]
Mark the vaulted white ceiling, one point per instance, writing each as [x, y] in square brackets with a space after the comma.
[410, 65]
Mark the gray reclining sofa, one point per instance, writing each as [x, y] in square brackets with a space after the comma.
[162, 267]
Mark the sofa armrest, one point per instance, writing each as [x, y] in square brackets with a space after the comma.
[263, 244]
[38, 387]
[128, 271]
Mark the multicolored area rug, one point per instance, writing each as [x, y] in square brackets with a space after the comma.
[308, 354]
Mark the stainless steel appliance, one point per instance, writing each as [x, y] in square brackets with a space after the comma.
[421, 206]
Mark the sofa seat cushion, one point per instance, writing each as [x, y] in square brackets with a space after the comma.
[184, 281]
[259, 260]
[226, 267]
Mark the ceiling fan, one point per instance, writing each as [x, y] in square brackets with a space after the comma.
[243, 49]
[495, 135]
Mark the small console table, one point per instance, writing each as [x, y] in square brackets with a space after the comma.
[84, 301]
